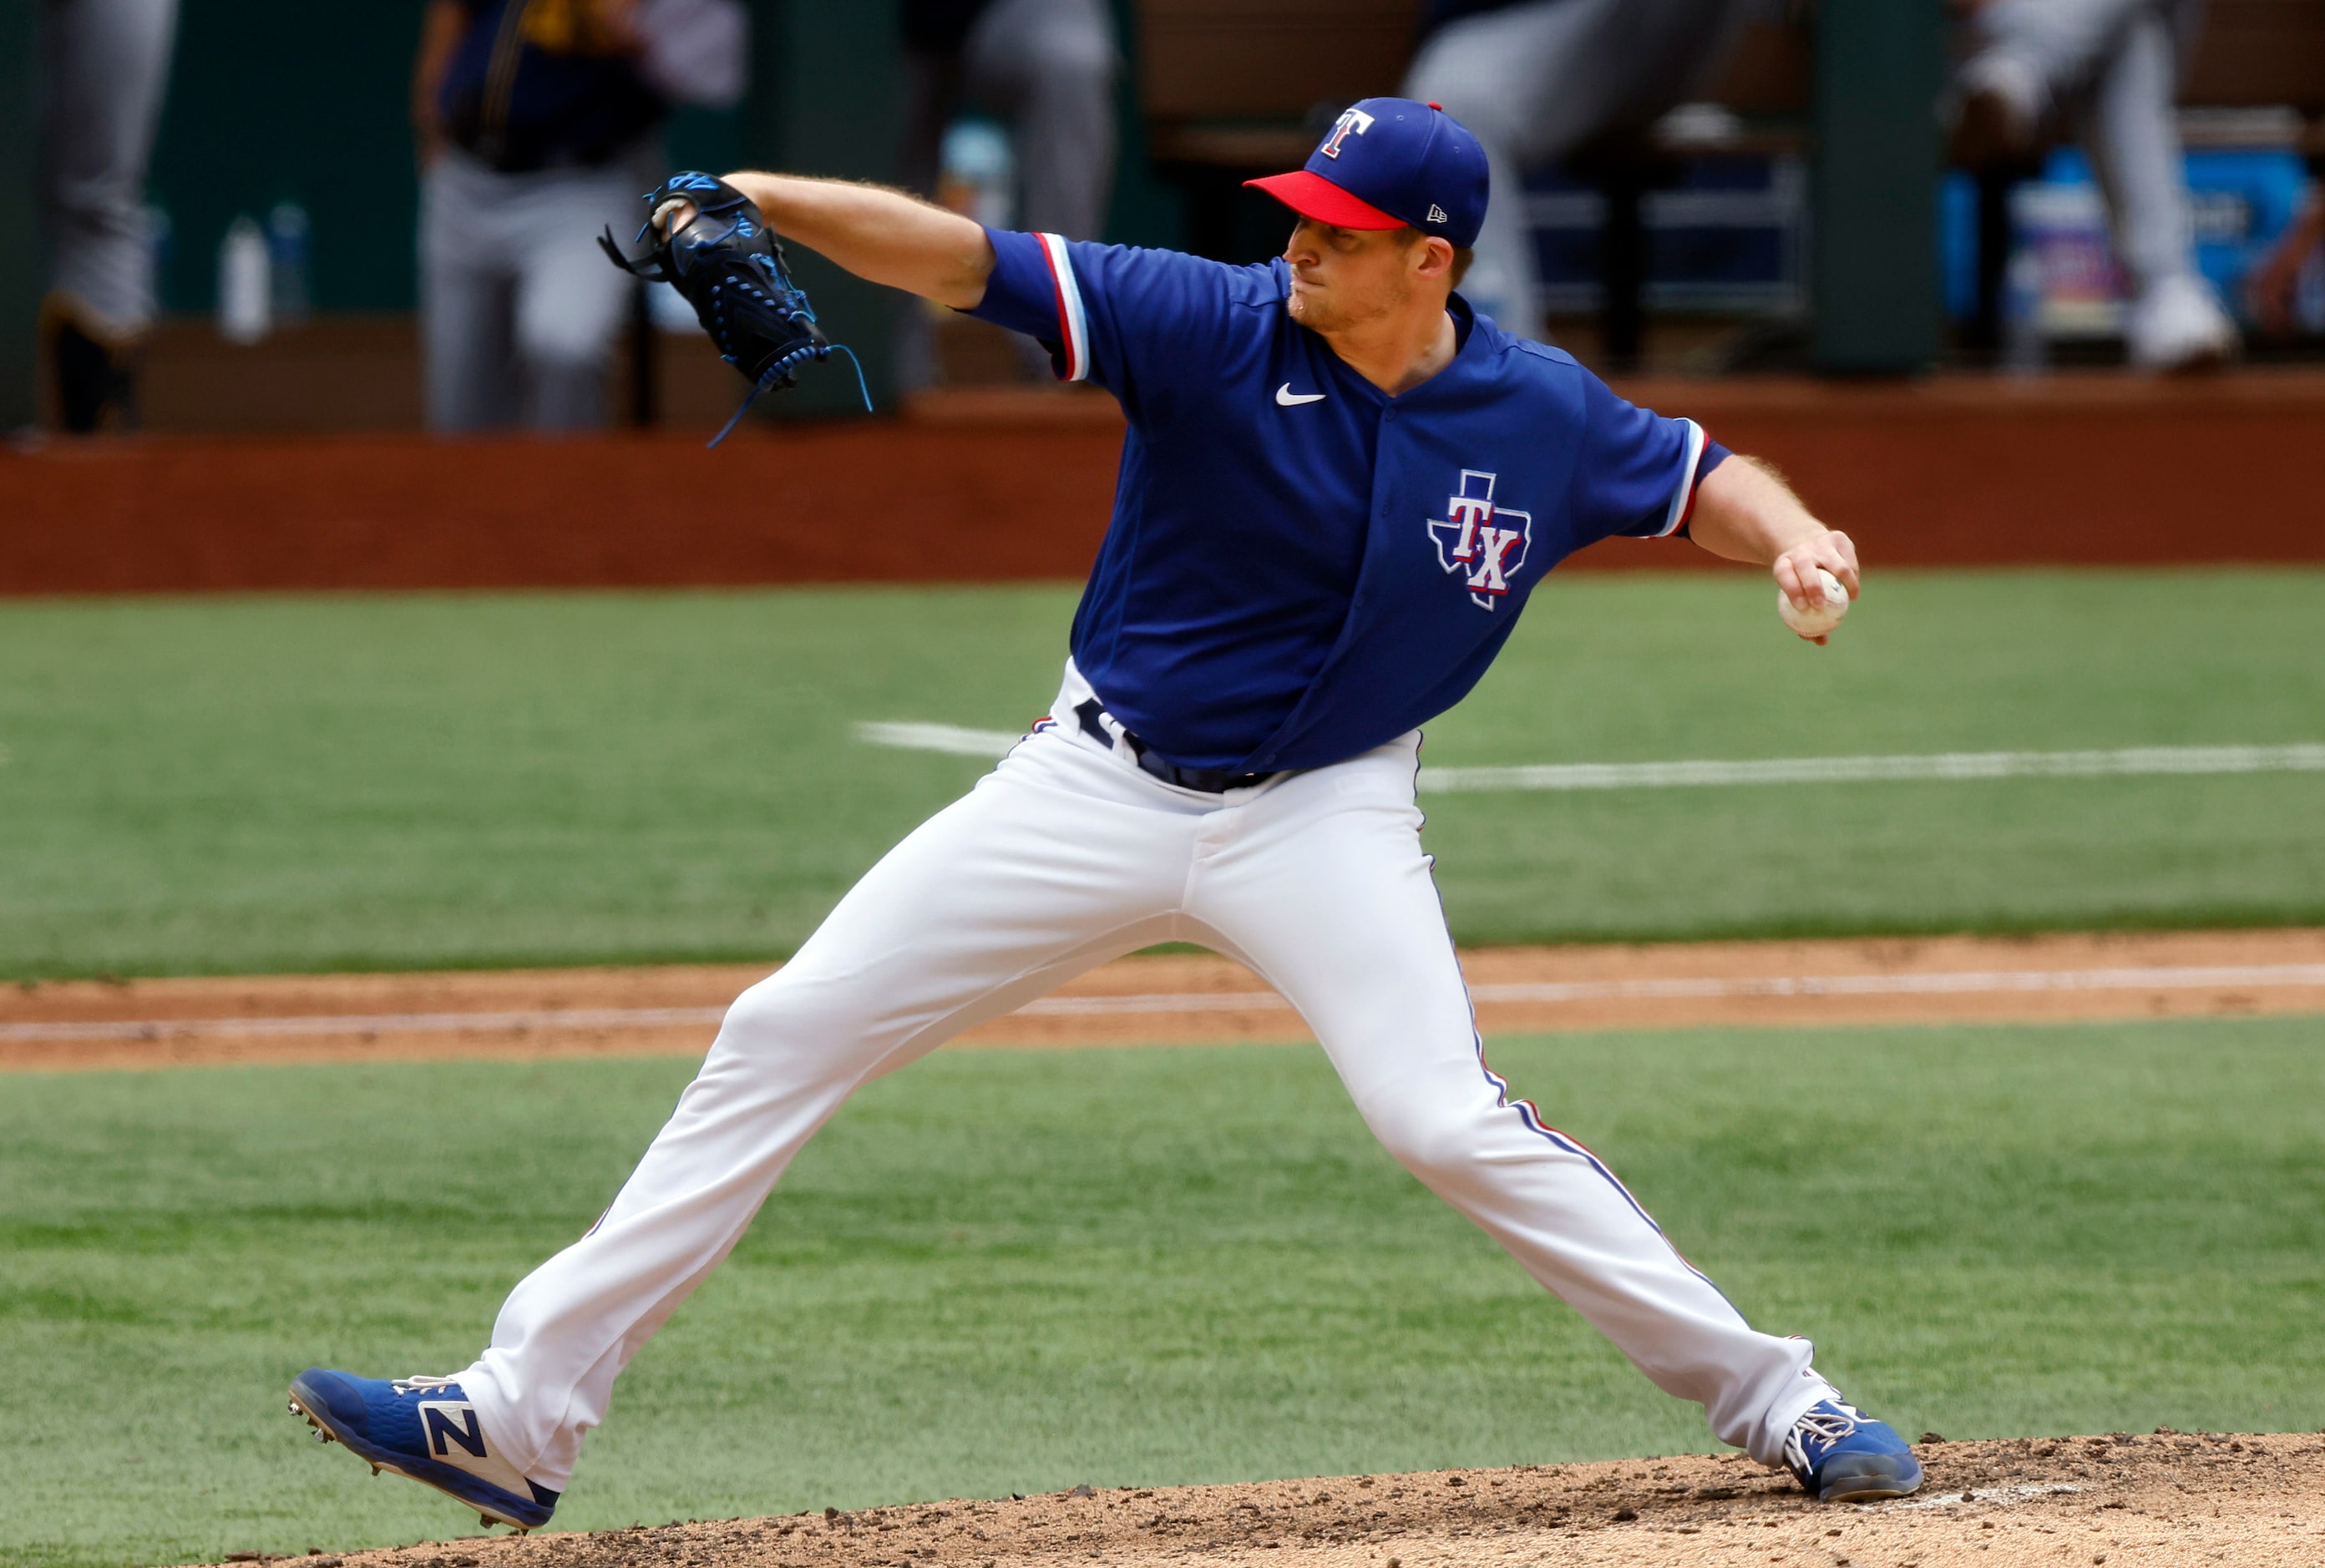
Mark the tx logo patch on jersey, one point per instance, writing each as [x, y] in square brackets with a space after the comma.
[1486, 543]
[1352, 122]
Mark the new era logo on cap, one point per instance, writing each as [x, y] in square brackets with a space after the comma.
[1387, 162]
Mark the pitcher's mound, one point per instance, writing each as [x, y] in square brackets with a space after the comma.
[2162, 1498]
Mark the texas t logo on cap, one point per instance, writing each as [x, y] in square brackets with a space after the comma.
[1355, 120]
[1387, 162]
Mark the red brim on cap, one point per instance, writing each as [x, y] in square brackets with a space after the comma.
[1313, 195]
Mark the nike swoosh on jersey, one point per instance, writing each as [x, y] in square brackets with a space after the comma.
[1287, 398]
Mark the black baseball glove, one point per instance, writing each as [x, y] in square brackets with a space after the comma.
[729, 266]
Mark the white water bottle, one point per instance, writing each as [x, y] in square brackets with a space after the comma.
[244, 282]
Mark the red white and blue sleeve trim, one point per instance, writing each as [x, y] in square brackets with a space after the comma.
[1073, 326]
[1683, 500]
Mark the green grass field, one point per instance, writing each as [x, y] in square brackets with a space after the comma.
[301, 783]
[1003, 1271]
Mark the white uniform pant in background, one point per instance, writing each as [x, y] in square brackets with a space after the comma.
[2116, 62]
[1063, 857]
[106, 65]
[1535, 81]
[519, 307]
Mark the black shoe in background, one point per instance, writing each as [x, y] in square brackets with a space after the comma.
[92, 378]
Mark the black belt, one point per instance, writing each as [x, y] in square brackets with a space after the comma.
[1207, 780]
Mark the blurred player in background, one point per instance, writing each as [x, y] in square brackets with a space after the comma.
[1534, 79]
[2273, 286]
[537, 123]
[2113, 68]
[105, 66]
[1048, 67]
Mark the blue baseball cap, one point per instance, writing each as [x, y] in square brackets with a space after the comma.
[1387, 162]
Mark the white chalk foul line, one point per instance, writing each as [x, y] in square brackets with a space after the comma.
[951, 738]
[1941, 765]
[2129, 762]
[2003, 1495]
[396, 1023]
[1957, 982]
[1954, 982]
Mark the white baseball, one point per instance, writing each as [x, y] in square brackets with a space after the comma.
[1822, 618]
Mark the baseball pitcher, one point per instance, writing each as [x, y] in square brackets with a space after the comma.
[1338, 487]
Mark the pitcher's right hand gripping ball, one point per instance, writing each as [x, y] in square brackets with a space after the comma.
[1815, 622]
[729, 265]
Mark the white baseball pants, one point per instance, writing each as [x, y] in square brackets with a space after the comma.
[1064, 856]
[106, 66]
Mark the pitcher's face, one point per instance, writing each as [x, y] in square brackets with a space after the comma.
[1344, 277]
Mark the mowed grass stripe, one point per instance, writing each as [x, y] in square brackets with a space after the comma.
[310, 784]
[999, 1272]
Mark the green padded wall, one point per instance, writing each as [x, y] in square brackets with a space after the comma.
[276, 100]
[20, 266]
[827, 99]
[1874, 270]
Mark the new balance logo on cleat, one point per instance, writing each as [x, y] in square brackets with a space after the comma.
[426, 1430]
[446, 1424]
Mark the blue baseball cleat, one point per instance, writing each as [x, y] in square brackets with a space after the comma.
[1842, 1455]
[424, 1429]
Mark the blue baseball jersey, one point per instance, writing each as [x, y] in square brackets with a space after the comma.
[1300, 567]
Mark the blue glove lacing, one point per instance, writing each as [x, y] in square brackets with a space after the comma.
[784, 367]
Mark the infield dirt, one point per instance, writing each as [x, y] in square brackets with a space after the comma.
[1182, 999]
[2160, 1498]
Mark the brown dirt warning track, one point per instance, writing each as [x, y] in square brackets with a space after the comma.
[995, 484]
[2155, 1500]
[77, 1025]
